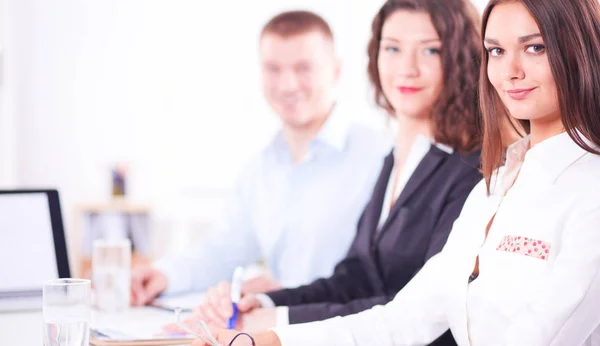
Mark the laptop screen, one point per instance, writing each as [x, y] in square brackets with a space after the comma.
[26, 242]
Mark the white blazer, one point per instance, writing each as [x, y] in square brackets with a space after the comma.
[539, 281]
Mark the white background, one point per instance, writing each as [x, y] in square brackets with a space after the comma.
[171, 87]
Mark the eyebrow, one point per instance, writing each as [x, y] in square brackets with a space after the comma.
[491, 41]
[521, 39]
[421, 41]
[527, 38]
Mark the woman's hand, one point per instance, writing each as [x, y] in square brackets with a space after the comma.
[217, 306]
[225, 337]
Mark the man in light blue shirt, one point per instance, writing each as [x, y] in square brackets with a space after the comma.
[296, 205]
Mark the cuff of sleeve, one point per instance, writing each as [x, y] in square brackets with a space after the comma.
[178, 277]
[282, 316]
[265, 301]
[282, 313]
[280, 297]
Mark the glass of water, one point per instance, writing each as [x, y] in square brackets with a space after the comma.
[111, 274]
[66, 312]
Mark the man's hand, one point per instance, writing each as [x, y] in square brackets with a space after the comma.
[146, 284]
[217, 306]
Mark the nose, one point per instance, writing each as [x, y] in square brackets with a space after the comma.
[288, 81]
[408, 65]
[514, 68]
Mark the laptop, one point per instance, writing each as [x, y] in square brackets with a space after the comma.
[32, 247]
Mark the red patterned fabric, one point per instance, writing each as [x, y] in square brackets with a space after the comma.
[525, 246]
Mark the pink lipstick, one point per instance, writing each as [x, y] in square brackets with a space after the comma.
[519, 94]
[409, 90]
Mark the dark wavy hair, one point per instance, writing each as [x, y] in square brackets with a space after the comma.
[571, 33]
[456, 115]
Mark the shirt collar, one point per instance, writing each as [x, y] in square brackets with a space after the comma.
[334, 134]
[421, 140]
[553, 155]
[423, 144]
[443, 147]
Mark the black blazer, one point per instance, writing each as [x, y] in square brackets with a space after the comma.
[380, 262]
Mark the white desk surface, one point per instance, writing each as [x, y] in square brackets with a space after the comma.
[26, 328]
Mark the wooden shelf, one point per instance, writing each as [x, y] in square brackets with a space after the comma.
[117, 205]
[80, 262]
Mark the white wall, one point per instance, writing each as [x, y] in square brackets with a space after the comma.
[7, 114]
[170, 86]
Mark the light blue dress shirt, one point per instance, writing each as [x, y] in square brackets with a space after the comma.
[300, 218]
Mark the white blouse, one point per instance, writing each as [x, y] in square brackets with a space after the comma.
[539, 278]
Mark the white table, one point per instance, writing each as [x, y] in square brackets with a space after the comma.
[22, 328]
[26, 328]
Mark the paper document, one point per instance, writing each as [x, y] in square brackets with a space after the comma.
[114, 338]
[187, 302]
[134, 326]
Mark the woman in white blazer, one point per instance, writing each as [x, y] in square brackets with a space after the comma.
[522, 264]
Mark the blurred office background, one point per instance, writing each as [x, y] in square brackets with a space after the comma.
[170, 88]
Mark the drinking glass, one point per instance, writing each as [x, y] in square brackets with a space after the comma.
[66, 312]
[111, 274]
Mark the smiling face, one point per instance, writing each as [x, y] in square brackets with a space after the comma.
[409, 63]
[518, 66]
[299, 74]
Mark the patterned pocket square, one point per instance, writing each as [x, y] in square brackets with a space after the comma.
[525, 246]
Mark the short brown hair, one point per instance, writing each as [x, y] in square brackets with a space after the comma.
[294, 23]
[571, 32]
[456, 116]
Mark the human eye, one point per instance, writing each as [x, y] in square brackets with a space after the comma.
[391, 48]
[271, 68]
[495, 51]
[536, 49]
[432, 51]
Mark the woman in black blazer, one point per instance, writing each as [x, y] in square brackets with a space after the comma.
[424, 60]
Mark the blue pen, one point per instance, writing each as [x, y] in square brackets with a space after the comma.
[236, 294]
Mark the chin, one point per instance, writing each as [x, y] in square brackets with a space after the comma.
[521, 117]
[288, 115]
[411, 112]
[294, 120]
[521, 114]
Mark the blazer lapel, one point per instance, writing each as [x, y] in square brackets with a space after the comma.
[373, 215]
[424, 170]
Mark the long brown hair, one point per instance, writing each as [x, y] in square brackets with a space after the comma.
[571, 32]
[455, 117]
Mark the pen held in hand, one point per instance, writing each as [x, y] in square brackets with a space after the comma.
[236, 294]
